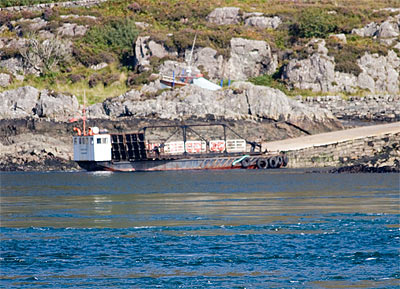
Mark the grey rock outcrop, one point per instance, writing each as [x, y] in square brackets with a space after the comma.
[387, 32]
[367, 31]
[27, 101]
[317, 72]
[18, 103]
[56, 105]
[379, 73]
[388, 29]
[5, 79]
[146, 48]
[34, 24]
[71, 30]
[210, 61]
[225, 16]
[249, 58]
[339, 37]
[241, 101]
[233, 15]
[263, 22]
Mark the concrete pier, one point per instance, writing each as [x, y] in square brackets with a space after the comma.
[332, 137]
[378, 145]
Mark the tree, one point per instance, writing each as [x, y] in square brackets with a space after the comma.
[45, 55]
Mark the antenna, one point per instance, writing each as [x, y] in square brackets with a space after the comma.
[189, 70]
[84, 112]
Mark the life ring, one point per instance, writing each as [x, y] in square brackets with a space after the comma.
[262, 163]
[245, 163]
[78, 131]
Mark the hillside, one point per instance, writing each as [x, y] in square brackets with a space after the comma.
[300, 47]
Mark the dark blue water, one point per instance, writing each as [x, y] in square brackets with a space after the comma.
[236, 229]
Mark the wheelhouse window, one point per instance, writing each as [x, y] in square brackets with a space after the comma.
[99, 140]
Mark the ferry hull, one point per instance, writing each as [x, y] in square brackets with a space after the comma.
[222, 163]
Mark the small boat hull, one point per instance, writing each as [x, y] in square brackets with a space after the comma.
[170, 84]
[219, 163]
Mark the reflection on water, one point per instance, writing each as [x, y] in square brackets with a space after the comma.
[256, 229]
[130, 200]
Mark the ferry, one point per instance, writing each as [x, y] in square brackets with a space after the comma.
[99, 150]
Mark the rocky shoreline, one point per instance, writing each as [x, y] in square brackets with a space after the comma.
[41, 145]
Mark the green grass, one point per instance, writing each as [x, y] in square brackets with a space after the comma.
[60, 82]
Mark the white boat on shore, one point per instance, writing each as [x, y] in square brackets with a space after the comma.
[187, 79]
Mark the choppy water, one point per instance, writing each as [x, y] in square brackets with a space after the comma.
[236, 229]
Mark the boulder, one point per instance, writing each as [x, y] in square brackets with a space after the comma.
[15, 66]
[96, 111]
[209, 60]
[18, 103]
[388, 29]
[263, 22]
[99, 66]
[339, 37]
[71, 30]
[116, 107]
[367, 31]
[225, 16]
[345, 82]
[379, 73]
[142, 25]
[5, 79]
[270, 103]
[44, 34]
[146, 48]
[35, 24]
[316, 72]
[249, 58]
[56, 105]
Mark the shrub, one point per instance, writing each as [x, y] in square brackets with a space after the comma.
[50, 14]
[44, 56]
[269, 80]
[138, 79]
[346, 55]
[5, 18]
[74, 78]
[89, 56]
[29, 14]
[105, 78]
[9, 52]
[95, 79]
[135, 7]
[313, 23]
[118, 35]
[109, 79]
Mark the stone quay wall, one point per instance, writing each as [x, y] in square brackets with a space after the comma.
[36, 7]
[380, 108]
[375, 151]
